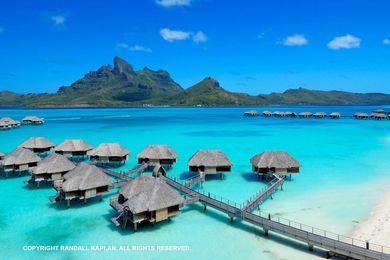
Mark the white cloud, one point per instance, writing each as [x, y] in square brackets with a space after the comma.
[169, 3]
[386, 41]
[172, 35]
[295, 40]
[58, 19]
[136, 47]
[199, 37]
[344, 42]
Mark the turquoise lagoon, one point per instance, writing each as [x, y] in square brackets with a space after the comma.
[345, 168]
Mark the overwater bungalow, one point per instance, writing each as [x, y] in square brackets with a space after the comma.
[290, 114]
[305, 114]
[210, 162]
[10, 122]
[251, 113]
[278, 114]
[335, 115]
[4, 125]
[109, 154]
[73, 148]
[51, 168]
[19, 161]
[34, 120]
[1, 157]
[83, 182]
[157, 154]
[360, 115]
[145, 199]
[38, 145]
[267, 113]
[378, 111]
[279, 162]
[320, 115]
[379, 116]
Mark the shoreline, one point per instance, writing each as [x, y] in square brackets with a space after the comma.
[376, 227]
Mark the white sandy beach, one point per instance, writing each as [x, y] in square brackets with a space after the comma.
[376, 227]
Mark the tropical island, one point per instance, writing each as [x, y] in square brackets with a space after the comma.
[121, 85]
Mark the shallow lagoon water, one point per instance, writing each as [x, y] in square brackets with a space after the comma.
[345, 167]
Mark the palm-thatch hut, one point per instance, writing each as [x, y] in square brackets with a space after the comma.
[210, 162]
[4, 125]
[157, 154]
[20, 160]
[109, 154]
[379, 116]
[34, 120]
[38, 145]
[10, 122]
[378, 111]
[360, 115]
[83, 182]
[267, 113]
[145, 199]
[73, 148]
[251, 113]
[279, 162]
[320, 114]
[335, 115]
[290, 114]
[1, 157]
[305, 114]
[51, 168]
[279, 114]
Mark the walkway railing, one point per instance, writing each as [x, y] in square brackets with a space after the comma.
[325, 239]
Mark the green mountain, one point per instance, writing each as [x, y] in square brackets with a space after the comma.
[207, 92]
[121, 85]
[319, 97]
[117, 85]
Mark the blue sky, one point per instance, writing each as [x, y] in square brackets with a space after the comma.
[249, 46]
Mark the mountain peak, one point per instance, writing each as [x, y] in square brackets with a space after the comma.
[121, 66]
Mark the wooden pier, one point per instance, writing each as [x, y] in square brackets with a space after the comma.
[334, 244]
[258, 198]
[123, 176]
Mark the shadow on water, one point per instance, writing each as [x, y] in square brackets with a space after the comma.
[251, 177]
[45, 185]
[186, 175]
[77, 203]
[11, 175]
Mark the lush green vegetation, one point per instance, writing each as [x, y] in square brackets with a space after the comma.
[120, 85]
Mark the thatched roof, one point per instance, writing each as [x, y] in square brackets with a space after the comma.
[211, 158]
[4, 124]
[335, 114]
[251, 112]
[109, 149]
[146, 193]
[37, 143]
[378, 115]
[21, 156]
[157, 152]
[274, 159]
[54, 163]
[84, 177]
[2, 154]
[266, 112]
[378, 111]
[33, 119]
[362, 114]
[9, 121]
[73, 145]
[305, 114]
[320, 114]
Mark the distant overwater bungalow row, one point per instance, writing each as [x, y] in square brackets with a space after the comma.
[9, 123]
[378, 114]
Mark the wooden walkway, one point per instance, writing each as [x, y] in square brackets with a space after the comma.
[262, 195]
[123, 176]
[333, 243]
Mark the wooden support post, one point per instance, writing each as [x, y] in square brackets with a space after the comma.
[67, 203]
[367, 245]
[311, 247]
[205, 207]
[221, 175]
[38, 184]
[265, 232]
[85, 200]
[231, 219]
[281, 187]
[135, 226]
[100, 197]
[124, 222]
